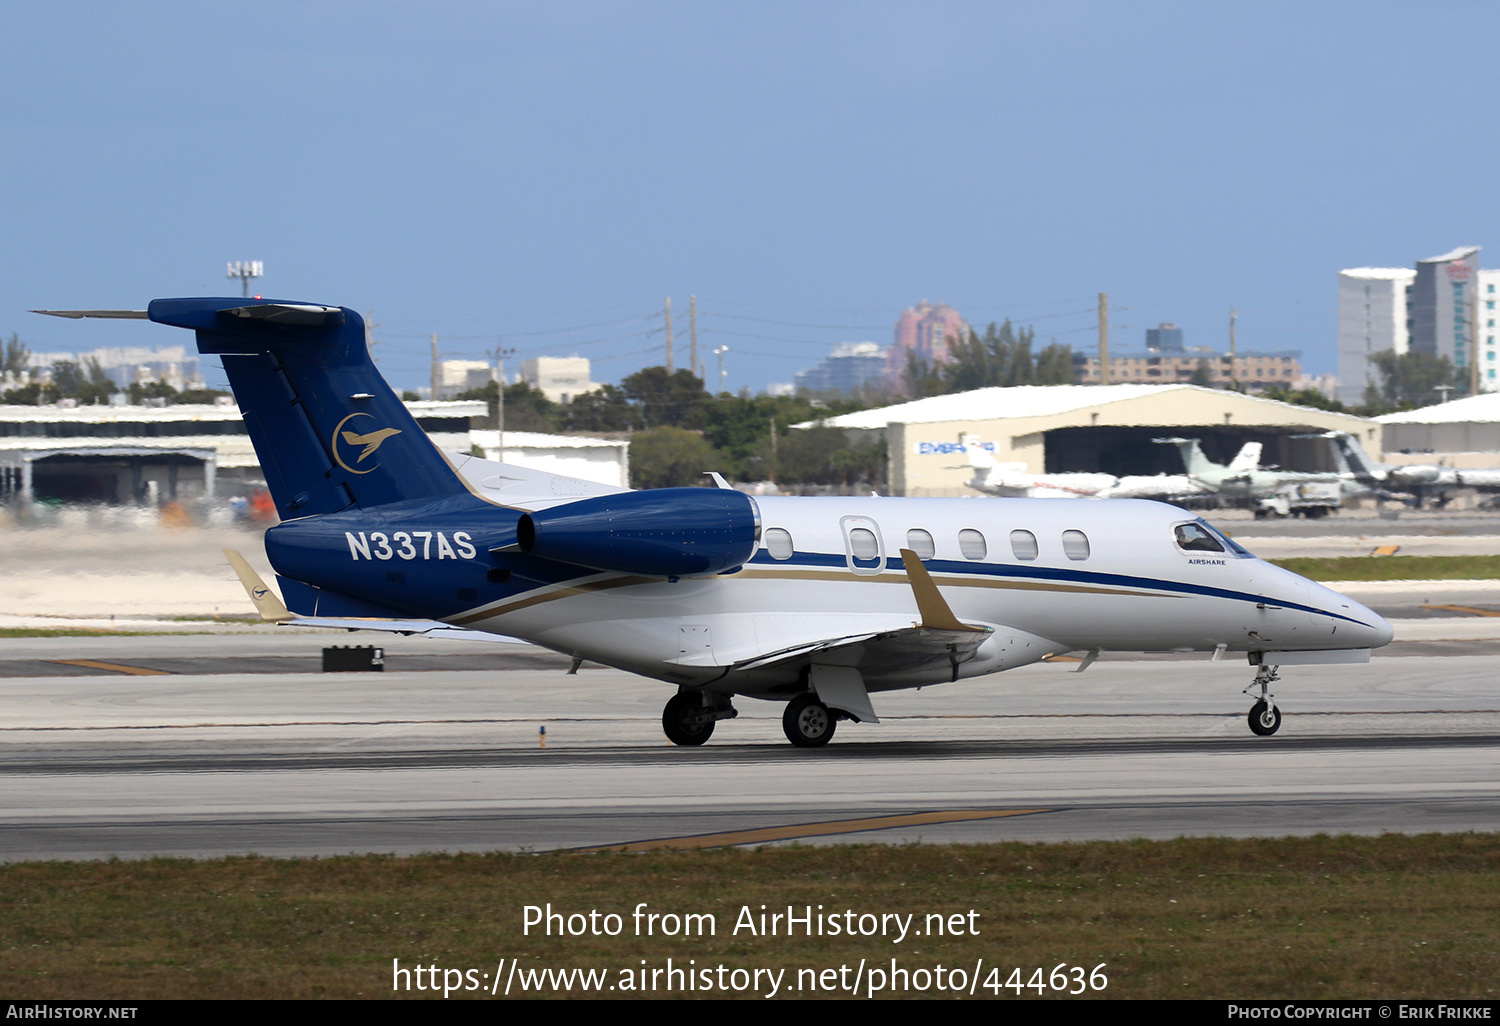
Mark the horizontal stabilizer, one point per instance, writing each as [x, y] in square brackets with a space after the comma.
[270, 608]
[112, 315]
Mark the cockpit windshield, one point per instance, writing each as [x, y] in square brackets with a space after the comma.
[1201, 536]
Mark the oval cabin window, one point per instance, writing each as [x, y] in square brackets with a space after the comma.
[863, 544]
[1023, 545]
[1075, 545]
[971, 544]
[779, 543]
[920, 542]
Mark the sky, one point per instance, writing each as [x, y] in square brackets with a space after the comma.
[540, 177]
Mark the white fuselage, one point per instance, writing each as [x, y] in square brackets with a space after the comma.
[1107, 574]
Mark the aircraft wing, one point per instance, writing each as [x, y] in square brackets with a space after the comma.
[895, 651]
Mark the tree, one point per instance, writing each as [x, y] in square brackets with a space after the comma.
[1410, 380]
[1001, 357]
[670, 457]
[675, 399]
[1203, 375]
[17, 357]
[604, 409]
[1303, 397]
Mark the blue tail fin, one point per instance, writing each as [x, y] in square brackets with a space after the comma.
[329, 431]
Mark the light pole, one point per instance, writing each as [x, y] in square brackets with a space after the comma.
[244, 270]
[719, 352]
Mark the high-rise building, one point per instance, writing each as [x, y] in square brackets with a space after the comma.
[1442, 306]
[1165, 338]
[1446, 307]
[846, 370]
[1372, 319]
[925, 330]
[1485, 317]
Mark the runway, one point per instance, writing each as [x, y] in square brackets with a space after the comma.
[443, 753]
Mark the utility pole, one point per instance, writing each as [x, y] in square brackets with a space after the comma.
[773, 448]
[669, 334]
[1103, 338]
[719, 352]
[500, 354]
[436, 374]
[693, 336]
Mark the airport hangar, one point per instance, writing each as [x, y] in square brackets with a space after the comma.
[1464, 433]
[129, 455]
[1095, 428]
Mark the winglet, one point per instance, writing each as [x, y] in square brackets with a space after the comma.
[266, 603]
[930, 601]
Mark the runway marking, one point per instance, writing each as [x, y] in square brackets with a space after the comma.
[1471, 610]
[94, 664]
[786, 833]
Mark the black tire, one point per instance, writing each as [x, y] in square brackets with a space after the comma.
[808, 723]
[686, 721]
[1264, 720]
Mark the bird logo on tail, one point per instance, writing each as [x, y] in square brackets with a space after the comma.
[371, 441]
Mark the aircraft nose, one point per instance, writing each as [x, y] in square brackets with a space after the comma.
[1380, 628]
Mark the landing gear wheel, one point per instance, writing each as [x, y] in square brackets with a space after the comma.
[686, 720]
[808, 723]
[1265, 720]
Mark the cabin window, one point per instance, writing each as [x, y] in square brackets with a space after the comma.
[1192, 538]
[920, 542]
[1023, 545]
[863, 544]
[971, 544]
[779, 543]
[1075, 544]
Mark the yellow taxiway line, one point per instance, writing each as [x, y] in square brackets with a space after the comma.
[787, 833]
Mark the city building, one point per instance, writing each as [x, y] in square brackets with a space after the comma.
[848, 369]
[1441, 307]
[1373, 318]
[1446, 307]
[559, 378]
[1485, 307]
[125, 366]
[926, 331]
[1253, 371]
[1165, 338]
[455, 377]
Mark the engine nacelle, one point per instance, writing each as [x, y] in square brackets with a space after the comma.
[663, 532]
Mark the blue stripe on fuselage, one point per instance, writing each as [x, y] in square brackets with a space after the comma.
[823, 560]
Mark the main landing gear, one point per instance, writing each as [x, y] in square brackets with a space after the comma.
[690, 716]
[808, 723]
[1265, 718]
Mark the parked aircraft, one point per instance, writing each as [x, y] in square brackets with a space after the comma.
[1244, 482]
[1014, 480]
[813, 602]
[1422, 481]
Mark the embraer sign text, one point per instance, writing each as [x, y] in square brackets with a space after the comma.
[378, 546]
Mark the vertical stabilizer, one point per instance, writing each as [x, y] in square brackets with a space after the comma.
[329, 431]
[1246, 460]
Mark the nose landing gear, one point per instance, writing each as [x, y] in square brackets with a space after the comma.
[1265, 718]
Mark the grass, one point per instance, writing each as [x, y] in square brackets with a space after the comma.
[1395, 568]
[1321, 917]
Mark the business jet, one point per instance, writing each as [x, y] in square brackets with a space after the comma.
[817, 603]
